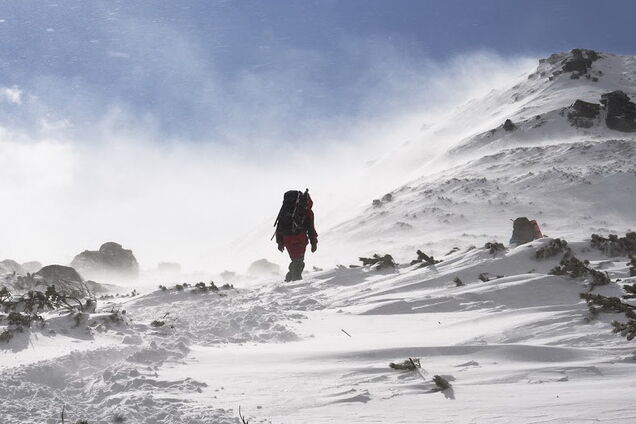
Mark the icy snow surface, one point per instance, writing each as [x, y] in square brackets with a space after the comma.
[518, 348]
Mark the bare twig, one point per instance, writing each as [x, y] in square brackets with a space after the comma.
[345, 332]
[243, 420]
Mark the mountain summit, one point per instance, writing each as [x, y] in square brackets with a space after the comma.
[558, 146]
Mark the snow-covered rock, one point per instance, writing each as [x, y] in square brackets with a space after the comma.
[110, 261]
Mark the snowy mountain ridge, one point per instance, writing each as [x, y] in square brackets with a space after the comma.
[552, 157]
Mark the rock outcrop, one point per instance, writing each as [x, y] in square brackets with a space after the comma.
[580, 61]
[65, 279]
[582, 114]
[576, 63]
[509, 125]
[110, 261]
[263, 267]
[621, 111]
[11, 266]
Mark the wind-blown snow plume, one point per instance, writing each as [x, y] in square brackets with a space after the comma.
[71, 183]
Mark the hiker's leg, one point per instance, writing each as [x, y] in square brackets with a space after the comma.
[288, 276]
[296, 246]
[296, 269]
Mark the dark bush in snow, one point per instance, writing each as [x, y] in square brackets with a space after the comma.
[458, 282]
[631, 291]
[626, 329]
[632, 266]
[379, 262]
[441, 382]
[614, 245]
[424, 259]
[571, 266]
[494, 247]
[598, 303]
[553, 248]
[408, 364]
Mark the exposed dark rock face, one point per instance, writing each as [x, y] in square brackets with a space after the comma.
[577, 63]
[65, 279]
[580, 61]
[111, 260]
[621, 112]
[55, 273]
[509, 125]
[582, 114]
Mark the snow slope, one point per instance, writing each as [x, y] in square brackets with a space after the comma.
[518, 348]
[467, 175]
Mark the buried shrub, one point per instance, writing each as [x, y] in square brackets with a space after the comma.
[484, 277]
[632, 266]
[424, 259]
[4, 295]
[598, 303]
[571, 266]
[458, 282]
[553, 248]
[409, 364]
[158, 323]
[6, 336]
[494, 247]
[441, 383]
[17, 322]
[626, 329]
[379, 262]
[614, 245]
[631, 291]
[36, 301]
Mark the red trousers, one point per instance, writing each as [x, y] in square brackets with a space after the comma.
[296, 244]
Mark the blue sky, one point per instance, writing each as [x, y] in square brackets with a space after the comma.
[197, 70]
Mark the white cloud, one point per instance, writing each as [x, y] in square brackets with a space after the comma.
[11, 95]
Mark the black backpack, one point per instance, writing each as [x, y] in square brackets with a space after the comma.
[292, 217]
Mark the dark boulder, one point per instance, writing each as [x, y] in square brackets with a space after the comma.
[65, 279]
[582, 114]
[509, 125]
[110, 261]
[621, 111]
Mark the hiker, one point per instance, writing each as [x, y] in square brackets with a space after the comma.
[295, 229]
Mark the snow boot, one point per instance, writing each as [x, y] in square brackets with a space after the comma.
[296, 268]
